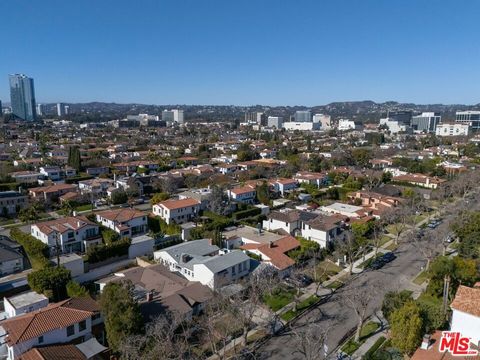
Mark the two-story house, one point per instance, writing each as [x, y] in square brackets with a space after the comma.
[11, 202]
[244, 194]
[290, 221]
[177, 211]
[67, 321]
[323, 229]
[199, 260]
[284, 186]
[51, 193]
[72, 234]
[125, 222]
[466, 313]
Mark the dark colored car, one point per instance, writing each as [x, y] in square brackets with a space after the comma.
[388, 257]
[377, 264]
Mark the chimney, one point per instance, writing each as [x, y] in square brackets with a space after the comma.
[270, 245]
[425, 342]
[149, 296]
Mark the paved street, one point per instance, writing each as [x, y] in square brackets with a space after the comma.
[338, 317]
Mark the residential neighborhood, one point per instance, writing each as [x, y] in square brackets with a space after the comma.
[239, 180]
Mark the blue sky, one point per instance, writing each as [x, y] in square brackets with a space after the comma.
[243, 52]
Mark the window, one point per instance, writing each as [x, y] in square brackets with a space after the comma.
[40, 340]
[82, 325]
[70, 330]
[95, 316]
[233, 270]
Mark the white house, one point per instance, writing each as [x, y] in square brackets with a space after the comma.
[245, 194]
[73, 234]
[11, 260]
[315, 178]
[324, 230]
[177, 211]
[66, 321]
[466, 313]
[351, 211]
[283, 186]
[125, 222]
[200, 261]
[53, 173]
[24, 303]
[290, 221]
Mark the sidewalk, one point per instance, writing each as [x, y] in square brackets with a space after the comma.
[378, 316]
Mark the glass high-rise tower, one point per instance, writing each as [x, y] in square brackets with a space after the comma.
[22, 96]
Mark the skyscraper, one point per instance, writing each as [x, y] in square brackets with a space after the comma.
[173, 116]
[61, 109]
[22, 95]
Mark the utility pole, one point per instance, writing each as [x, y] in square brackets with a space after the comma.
[446, 285]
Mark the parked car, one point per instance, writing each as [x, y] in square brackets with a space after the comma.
[388, 257]
[300, 280]
[377, 264]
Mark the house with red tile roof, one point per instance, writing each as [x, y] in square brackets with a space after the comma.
[275, 252]
[283, 185]
[244, 194]
[466, 312]
[177, 211]
[51, 193]
[125, 222]
[73, 233]
[63, 322]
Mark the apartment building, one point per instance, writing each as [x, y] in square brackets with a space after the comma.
[11, 202]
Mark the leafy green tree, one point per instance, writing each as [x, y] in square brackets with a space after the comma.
[159, 197]
[109, 236]
[406, 327]
[50, 281]
[119, 197]
[263, 193]
[431, 311]
[394, 300]
[121, 313]
[460, 271]
[75, 290]
[74, 158]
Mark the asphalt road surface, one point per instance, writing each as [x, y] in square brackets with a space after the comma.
[338, 317]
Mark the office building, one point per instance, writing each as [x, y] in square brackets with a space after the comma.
[403, 117]
[325, 121]
[1, 108]
[173, 116]
[256, 118]
[61, 109]
[452, 129]
[469, 117]
[275, 121]
[22, 95]
[303, 116]
[426, 122]
[41, 109]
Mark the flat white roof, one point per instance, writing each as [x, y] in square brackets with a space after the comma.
[26, 298]
[340, 207]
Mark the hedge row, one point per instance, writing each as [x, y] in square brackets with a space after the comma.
[36, 250]
[103, 252]
[368, 355]
[246, 213]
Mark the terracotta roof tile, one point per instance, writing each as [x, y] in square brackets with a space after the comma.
[467, 300]
[55, 316]
[178, 204]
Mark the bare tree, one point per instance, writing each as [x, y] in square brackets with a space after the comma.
[250, 302]
[310, 343]
[350, 248]
[358, 300]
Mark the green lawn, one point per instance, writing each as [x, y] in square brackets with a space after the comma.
[367, 330]
[334, 285]
[279, 298]
[384, 240]
[302, 305]
[421, 278]
[391, 247]
[325, 269]
[83, 207]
